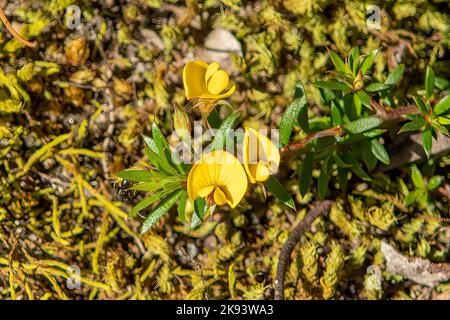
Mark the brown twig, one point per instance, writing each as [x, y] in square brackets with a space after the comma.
[319, 208]
[380, 112]
[13, 32]
[331, 132]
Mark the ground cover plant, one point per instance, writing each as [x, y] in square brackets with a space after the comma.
[224, 150]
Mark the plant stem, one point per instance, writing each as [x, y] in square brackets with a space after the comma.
[13, 32]
[380, 112]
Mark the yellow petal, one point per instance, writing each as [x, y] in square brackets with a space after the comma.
[212, 67]
[219, 197]
[221, 170]
[210, 96]
[259, 171]
[218, 82]
[204, 192]
[194, 79]
[261, 157]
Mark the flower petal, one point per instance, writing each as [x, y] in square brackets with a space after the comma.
[212, 67]
[221, 170]
[218, 82]
[219, 196]
[210, 96]
[261, 157]
[194, 79]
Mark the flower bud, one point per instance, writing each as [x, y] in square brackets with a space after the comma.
[181, 122]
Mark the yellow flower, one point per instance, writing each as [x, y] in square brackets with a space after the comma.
[205, 81]
[219, 177]
[261, 157]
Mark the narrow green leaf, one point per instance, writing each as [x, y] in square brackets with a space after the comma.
[374, 133]
[395, 76]
[337, 62]
[421, 105]
[363, 125]
[214, 119]
[222, 133]
[150, 143]
[429, 81]
[443, 106]
[332, 85]
[375, 87]
[182, 206]
[364, 97]
[305, 173]
[379, 151]
[427, 140]
[199, 207]
[356, 166]
[414, 125]
[417, 177]
[145, 203]
[336, 117]
[159, 139]
[343, 178]
[280, 192]
[297, 111]
[324, 179]
[165, 205]
[135, 175]
[435, 182]
[353, 58]
[367, 62]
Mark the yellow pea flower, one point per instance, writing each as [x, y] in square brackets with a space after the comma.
[261, 157]
[205, 81]
[219, 178]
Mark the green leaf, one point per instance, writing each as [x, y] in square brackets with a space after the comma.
[336, 117]
[214, 119]
[337, 61]
[417, 177]
[305, 173]
[414, 125]
[199, 207]
[182, 206]
[379, 151]
[427, 140]
[367, 63]
[297, 111]
[280, 192]
[222, 133]
[443, 106]
[160, 140]
[421, 105]
[145, 203]
[200, 210]
[356, 166]
[369, 158]
[363, 125]
[332, 85]
[150, 143]
[165, 205]
[374, 133]
[395, 76]
[375, 87]
[353, 59]
[435, 182]
[364, 97]
[441, 83]
[343, 178]
[135, 175]
[429, 81]
[324, 179]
